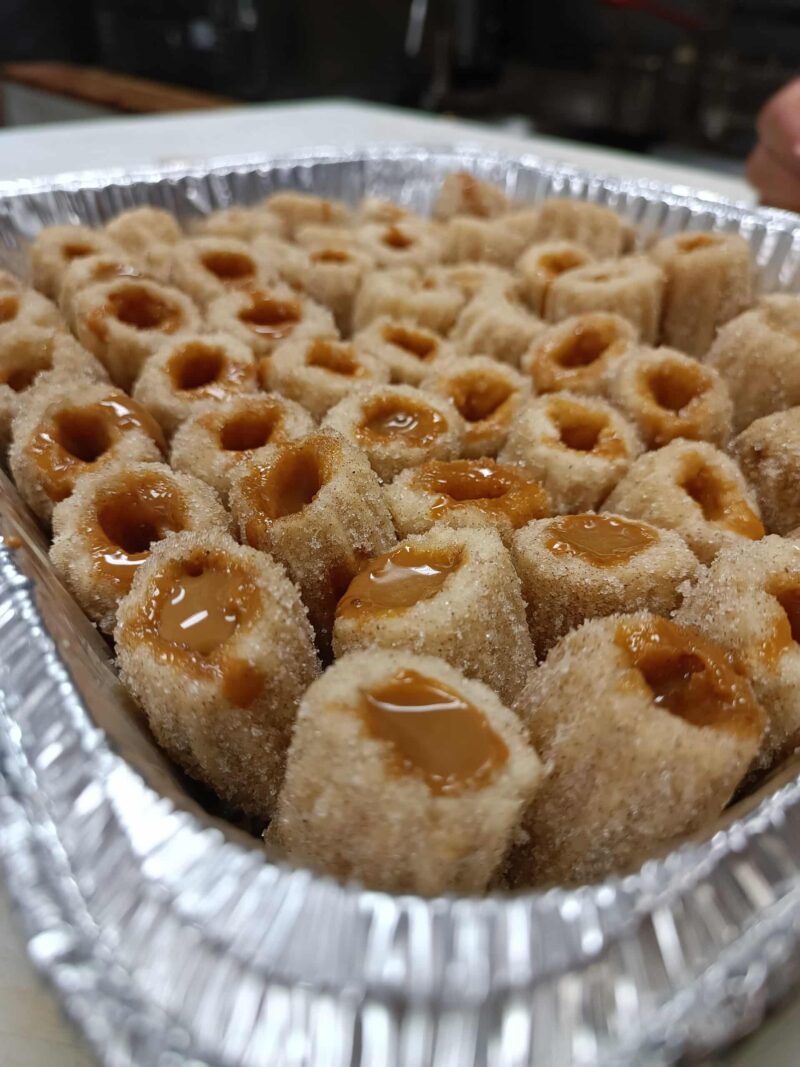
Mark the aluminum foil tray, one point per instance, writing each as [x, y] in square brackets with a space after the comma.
[169, 936]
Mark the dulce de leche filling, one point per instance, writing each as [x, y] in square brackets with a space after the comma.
[399, 579]
[578, 359]
[249, 429]
[719, 499]
[671, 393]
[600, 540]
[9, 307]
[498, 490]
[414, 342]
[138, 306]
[289, 485]
[481, 397]
[334, 357]
[581, 429]
[434, 733]
[204, 370]
[690, 677]
[228, 266]
[786, 630]
[270, 317]
[398, 418]
[193, 613]
[76, 438]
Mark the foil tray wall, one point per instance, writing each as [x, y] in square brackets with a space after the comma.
[169, 936]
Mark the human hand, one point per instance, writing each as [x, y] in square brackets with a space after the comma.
[774, 164]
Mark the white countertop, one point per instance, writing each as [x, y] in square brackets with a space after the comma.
[32, 1031]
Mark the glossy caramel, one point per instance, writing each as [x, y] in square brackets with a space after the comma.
[269, 317]
[498, 490]
[229, 267]
[433, 733]
[399, 579]
[398, 418]
[720, 499]
[690, 677]
[138, 307]
[205, 371]
[602, 540]
[335, 357]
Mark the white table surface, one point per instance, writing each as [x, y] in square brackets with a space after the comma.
[32, 1031]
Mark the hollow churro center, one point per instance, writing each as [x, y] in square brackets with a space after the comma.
[331, 255]
[333, 357]
[394, 237]
[248, 430]
[21, 377]
[196, 365]
[76, 251]
[414, 342]
[555, 263]
[584, 430]
[479, 396]
[269, 317]
[83, 433]
[399, 579]
[9, 307]
[137, 306]
[293, 482]
[433, 732]
[694, 242]
[690, 677]
[584, 346]
[719, 499]
[599, 539]
[675, 386]
[387, 418]
[495, 488]
[229, 266]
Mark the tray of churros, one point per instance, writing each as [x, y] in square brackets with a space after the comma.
[400, 610]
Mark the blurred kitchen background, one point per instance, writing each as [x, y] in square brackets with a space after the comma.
[679, 79]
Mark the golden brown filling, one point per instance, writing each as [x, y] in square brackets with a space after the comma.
[21, 378]
[249, 429]
[497, 490]
[9, 307]
[394, 237]
[555, 263]
[333, 357]
[786, 632]
[330, 255]
[196, 365]
[418, 344]
[397, 418]
[694, 242]
[670, 409]
[399, 579]
[584, 430]
[76, 251]
[720, 500]
[434, 733]
[269, 317]
[229, 266]
[479, 396]
[599, 539]
[136, 306]
[690, 677]
[579, 358]
[290, 485]
[675, 387]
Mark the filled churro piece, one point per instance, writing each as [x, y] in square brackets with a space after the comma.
[26, 308]
[103, 533]
[398, 426]
[90, 270]
[414, 243]
[319, 372]
[580, 354]
[192, 370]
[758, 356]
[647, 731]
[464, 194]
[208, 267]
[296, 209]
[470, 278]
[540, 265]
[632, 287]
[466, 493]
[448, 593]
[578, 567]
[263, 318]
[597, 229]
[125, 320]
[241, 223]
[500, 241]
[55, 248]
[148, 234]
[69, 428]
[709, 281]
[408, 351]
[495, 323]
[214, 643]
[578, 447]
[748, 601]
[691, 487]
[27, 353]
[331, 273]
[426, 300]
[317, 507]
[216, 437]
[768, 452]
[667, 394]
[429, 765]
[486, 394]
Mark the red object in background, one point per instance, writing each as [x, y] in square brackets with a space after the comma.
[659, 11]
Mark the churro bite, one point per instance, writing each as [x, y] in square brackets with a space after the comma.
[319, 372]
[500, 241]
[709, 281]
[71, 427]
[466, 493]
[495, 323]
[758, 356]
[215, 437]
[540, 265]
[192, 370]
[104, 531]
[408, 352]
[316, 505]
[425, 300]
[768, 452]
[55, 248]
[429, 765]
[577, 447]
[470, 278]
[646, 730]
[448, 593]
[578, 567]
[597, 229]
[148, 234]
[398, 426]
[331, 273]
[410, 243]
[241, 223]
[262, 318]
[631, 287]
[90, 270]
[296, 209]
[748, 601]
[125, 320]
[464, 194]
[486, 394]
[667, 394]
[214, 643]
[377, 209]
[208, 267]
[579, 354]
[691, 487]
